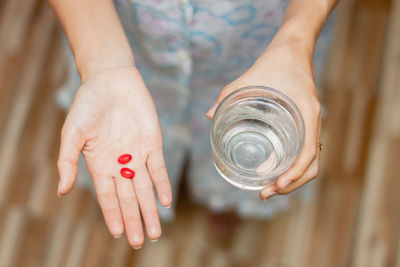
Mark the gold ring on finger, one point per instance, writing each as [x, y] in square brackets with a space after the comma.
[320, 146]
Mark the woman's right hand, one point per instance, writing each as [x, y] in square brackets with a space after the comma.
[113, 114]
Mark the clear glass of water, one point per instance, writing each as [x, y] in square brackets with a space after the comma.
[256, 134]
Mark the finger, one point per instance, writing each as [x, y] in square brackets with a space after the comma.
[309, 175]
[211, 111]
[130, 211]
[107, 197]
[269, 164]
[159, 175]
[268, 192]
[299, 168]
[307, 156]
[224, 92]
[145, 194]
[71, 145]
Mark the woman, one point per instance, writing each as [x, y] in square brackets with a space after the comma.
[183, 53]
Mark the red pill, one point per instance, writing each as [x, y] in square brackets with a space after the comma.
[125, 158]
[127, 173]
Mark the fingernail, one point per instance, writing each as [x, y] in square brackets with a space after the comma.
[268, 193]
[137, 247]
[211, 111]
[285, 183]
[117, 236]
[59, 195]
[269, 196]
[153, 240]
[168, 206]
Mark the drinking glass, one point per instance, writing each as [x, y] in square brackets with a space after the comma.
[256, 134]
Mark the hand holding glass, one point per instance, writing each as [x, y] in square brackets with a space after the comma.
[256, 135]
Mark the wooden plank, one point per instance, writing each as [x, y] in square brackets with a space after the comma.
[325, 228]
[35, 236]
[196, 240]
[40, 43]
[379, 216]
[60, 236]
[337, 60]
[218, 258]
[97, 246]
[338, 105]
[356, 132]
[14, 24]
[162, 248]
[35, 174]
[44, 164]
[300, 229]
[246, 236]
[398, 253]
[11, 236]
[120, 253]
[80, 237]
[366, 45]
[275, 234]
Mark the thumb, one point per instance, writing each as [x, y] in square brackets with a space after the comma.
[211, 111]
[224, 92]
[71, 145]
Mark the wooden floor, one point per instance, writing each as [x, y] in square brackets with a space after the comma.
[353, 219]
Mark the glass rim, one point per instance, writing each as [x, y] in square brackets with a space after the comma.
[247, 175]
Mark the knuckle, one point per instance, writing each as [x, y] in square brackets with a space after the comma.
[60, 164]
[126, 199]
[295, 177]
[315, 153]
[158, 173]
[144, 188]
[314, 172]
[284, 191]
[64, 161]
[149, 212]
[132, 217]
[160, 168]
[65, 130]
[163, 183]
[311, 152]
[70, 130]
[316, 105]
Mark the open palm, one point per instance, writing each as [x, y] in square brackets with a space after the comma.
[113, 114]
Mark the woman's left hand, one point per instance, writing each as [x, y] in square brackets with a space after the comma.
[287, 67]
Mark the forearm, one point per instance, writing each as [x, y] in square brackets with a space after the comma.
[302, 23]
[95, 34]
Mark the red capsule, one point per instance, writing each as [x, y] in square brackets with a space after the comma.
[127, 173]
[125, 158]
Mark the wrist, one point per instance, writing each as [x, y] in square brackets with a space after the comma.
[296, 37]
[93, 67]
[291, 44]
[90, 64]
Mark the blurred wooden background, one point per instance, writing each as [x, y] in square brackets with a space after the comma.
[353, 220]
